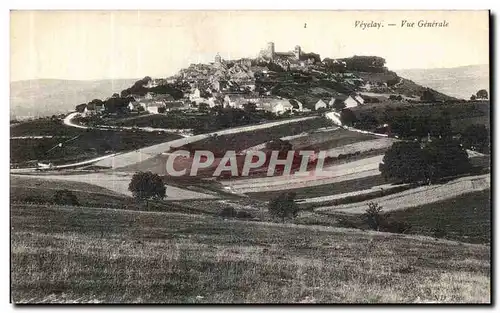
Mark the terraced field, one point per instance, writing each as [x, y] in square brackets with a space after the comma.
[75, 254]
[343, 172]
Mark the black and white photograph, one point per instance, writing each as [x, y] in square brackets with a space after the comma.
[250, 157]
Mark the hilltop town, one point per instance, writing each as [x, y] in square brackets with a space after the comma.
[275, 82]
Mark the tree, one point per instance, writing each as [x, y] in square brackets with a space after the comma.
[284, 206]
[338, 105]
[476, 137]
[428, 96]
[97, 102]
[473, 97]
[404, 162]
[445, 157]
[115, 95]
[396, 97]
[203, 107]
[367, 121]
[250, 107]
[146, 185]
[347, 117]
[80, 108]
[295, 104]
[482, 94]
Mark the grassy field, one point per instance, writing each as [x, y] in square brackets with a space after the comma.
[84, 144]
[43, 127]
[168, 120]
[30, 190]
[465, 218]
[75, 254]
[328, 139]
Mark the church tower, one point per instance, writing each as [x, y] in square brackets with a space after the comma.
[218, 59]
[297, 52]
[270, 50]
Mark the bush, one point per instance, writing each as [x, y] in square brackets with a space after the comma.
[227, 212]
[65, 197]
[243, 214]
[284, 206]
[373, 216]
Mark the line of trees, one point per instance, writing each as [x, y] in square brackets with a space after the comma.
[480, 95]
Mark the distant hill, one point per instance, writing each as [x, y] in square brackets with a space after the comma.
[42, 97]
[460, 82]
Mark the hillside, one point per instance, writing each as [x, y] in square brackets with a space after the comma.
[460, 82]
[42, 97]
[69, 254]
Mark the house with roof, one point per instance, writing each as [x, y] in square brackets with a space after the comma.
[152, 106]
[195, 95]
[276, 106]
[359, 99]
[175, 106]
[164, 97]
[352, 102]
[134, 106]
[155, 108]
[235, 100]
[320, 105]
[93, 108]
[150, 95]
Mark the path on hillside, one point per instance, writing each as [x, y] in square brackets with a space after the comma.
[417, 196]
[68, 122]
[335, 117]
[142, 154]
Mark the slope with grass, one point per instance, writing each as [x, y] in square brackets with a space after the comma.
[465, 218]
[69, 254]
[418, 196]
[71, 144]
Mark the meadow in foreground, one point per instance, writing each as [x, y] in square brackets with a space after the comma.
[75, 254]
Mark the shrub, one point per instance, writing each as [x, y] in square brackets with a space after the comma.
[284, 206]
[243, 214]
[66, 197]
[227, 212]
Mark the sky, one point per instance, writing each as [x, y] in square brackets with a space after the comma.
[89, 45]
